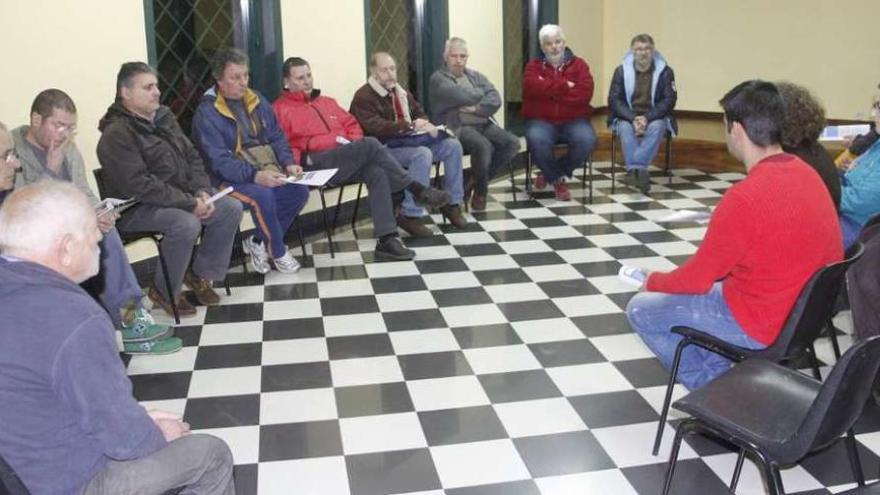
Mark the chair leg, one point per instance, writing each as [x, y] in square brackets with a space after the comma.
[338, 207]
[357, 204]
[665, 410]
[591, 178]
[302, 238]
[436, 181]
[226, 286]
[737, 470]
[167, 278]
[326, 226]
[774, 477]
[814, 363]
[244, 268]
[855, 461]
[832, 335]
[512, 180]
[528, 175]
[613, 153]
[669, 158]
[683, 429]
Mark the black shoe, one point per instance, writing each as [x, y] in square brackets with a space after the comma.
[629, 178]
[644, 178]
[391, 248]
[433, 198]
[454, 215]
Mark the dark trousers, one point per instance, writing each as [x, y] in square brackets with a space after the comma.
[491, 149]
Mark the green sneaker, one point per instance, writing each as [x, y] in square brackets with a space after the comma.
[142, 328]
[154, 347]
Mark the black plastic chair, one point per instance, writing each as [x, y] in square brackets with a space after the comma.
[130, 237]
[872, 489]
[10, 483]
[779, 414]
[804, 324]
[557, 149]
[668, 165]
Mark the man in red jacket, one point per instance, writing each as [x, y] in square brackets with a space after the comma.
[756, 255]
[322, 135]
[557, 89]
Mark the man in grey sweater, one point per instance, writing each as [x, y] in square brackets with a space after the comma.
[465, 101]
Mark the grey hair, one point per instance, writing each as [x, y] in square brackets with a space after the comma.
[455, 41]
[549, 30]
[34, 217]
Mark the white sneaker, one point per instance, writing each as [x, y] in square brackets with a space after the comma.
[287, 263]
[259, 258]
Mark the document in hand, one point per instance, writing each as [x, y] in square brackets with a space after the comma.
[313, 177]
[842, 132]
[632, 276]
[219, 195]
[113, 204]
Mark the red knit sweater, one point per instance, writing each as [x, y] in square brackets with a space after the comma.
[767, 236]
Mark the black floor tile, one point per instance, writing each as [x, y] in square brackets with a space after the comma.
[691, 476]
[441, 265]
[222, 412]
[461, 297]
[566, 352]
[368, 400]
[359, 346]
[523, 487]
[400, 471]
[418, 319]
[568, 288]
[434, 365]
[469, 424]
[287, 292]
[529, 310]
[486, 336]
[336, 306]
[513, 235]
[599, 268]
[345, 272]
[296, 328]
[398, 284]
[276, 378]
[465, 250]
[300, 440]
[569, 243]
[228, 356]
[504, 276]
[563, 453]
[519, 385]
[161, 386]
[233, 313]
[537, 259]
[613, 409]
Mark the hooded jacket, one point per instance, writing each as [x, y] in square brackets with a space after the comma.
[216, 135]
[67, 402]
[546, 95]
[153, 162]
[447, 96]
[313, 122]
[663, 92]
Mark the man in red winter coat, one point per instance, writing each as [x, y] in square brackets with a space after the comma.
[557, 89]
[322, 135]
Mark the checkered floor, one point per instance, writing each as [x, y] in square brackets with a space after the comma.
[498, 362]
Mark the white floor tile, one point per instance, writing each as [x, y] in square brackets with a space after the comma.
[297, 406]
[584, 379]
[610, 481]
[316, 476]
[556, 416]
[405, 301]
[505, 293]
[548, 330]
[586, 305]
[478, 314]
[630, 445]
[225, 381]
[447, 393]
[506, 358]
[381, 433]
[294, 351]
[464, 464]
[231, 333]
[365, 371]
[422, 341]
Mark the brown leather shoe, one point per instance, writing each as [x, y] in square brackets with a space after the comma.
[202, 288]
[184, 308]
[413, 226]
[478, 202]
[454, 215]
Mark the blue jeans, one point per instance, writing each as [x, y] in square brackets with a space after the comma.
[418, 160]
[653, 314]
[120, 285]
[541, 136]
[639, 151]
[273, 210]
[850, 229]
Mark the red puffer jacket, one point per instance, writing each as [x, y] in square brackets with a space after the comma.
[312, 123]
[546, 94]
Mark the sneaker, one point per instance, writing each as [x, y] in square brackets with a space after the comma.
[141, 327]
[258, 257]
[453, 214]
[562, 192]
[203, 289]
[644, 180]
[391, 248]
[286, 263]
[413, 226]
[540, 182]
[184, 308]
[155, 347]
[433, 198]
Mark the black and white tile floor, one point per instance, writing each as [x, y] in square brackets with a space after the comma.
[498, 362]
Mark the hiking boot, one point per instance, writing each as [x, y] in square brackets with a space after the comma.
[413, 226]
[203, 289]
[155, 347]
[562, 192]
[184, 308]
[287, 263]
[644, 180]
[454, 215]
[478, 202]
[540, 182]
[433, 198]
[257, 255]
[141, 327]
[391, 248]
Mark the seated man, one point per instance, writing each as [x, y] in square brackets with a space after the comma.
[756, 255]
[232, 127]
[557, 89]
[47, 150]
[860, 185]
[464, 100]
[146, 156]
[9, 163]
[390, 113]
[70, 423]
[324, 135]
[862, 142]
[640, 104]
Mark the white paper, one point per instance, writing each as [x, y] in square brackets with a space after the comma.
[313, 177]
[632, 276]
[109, 204]
[219, 195]
[686, 216]
[843, 132]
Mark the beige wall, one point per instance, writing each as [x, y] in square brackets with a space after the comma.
[582, 22]
[714, 44]
[480, 24]
[330, 35]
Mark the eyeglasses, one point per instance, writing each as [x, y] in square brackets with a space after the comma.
[10, 156]
[59, 127]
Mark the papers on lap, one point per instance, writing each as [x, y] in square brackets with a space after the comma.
[113, 204]
[313, 177]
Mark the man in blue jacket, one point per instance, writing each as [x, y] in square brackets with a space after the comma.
[70, 422]
[640, 104]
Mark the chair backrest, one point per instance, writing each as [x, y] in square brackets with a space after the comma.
[840, 400]
[10, 483]
[813, 308]
[99, 181]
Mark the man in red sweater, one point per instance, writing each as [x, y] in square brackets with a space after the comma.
[557, 89]
[322, 135]
[757, 254]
